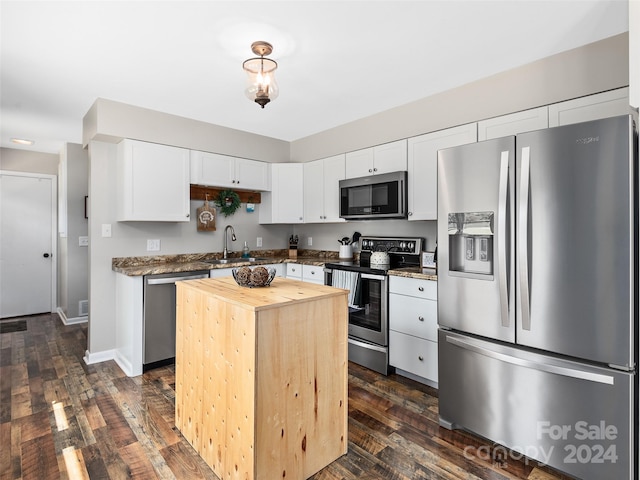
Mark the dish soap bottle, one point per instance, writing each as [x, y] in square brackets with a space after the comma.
[245, 250]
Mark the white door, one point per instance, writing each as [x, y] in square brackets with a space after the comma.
[27, 243]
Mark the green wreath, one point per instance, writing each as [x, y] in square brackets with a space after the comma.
[228, 201]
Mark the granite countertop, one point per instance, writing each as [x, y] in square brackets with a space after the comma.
[415, 272]
[192, 262]
[159, 264]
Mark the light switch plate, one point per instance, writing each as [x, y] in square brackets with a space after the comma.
[83, 241]
[106, 229]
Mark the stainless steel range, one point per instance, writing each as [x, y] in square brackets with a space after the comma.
[368, 285]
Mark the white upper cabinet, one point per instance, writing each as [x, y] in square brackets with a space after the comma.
[389, 157]
[284, 203]
[423, 167]
[215, 170]
[153, 182]
[514, 123]
[593, 107]
[321, 189]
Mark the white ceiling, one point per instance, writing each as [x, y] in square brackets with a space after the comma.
[338, 60]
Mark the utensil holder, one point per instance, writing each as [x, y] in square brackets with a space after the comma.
[346, 252]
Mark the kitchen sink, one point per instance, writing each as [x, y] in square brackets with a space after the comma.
[223, 261]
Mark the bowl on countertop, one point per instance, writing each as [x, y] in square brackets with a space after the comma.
[253, 277]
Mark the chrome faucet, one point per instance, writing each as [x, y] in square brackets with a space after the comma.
[233, 239]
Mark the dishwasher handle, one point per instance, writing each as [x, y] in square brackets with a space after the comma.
[164, 281]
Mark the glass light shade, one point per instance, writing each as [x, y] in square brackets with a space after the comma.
[262, 86]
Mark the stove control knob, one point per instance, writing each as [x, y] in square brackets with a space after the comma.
[403, 245]
[411, 246]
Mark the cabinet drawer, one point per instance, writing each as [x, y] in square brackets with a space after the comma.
[414, 355]
[413, 316]
[312, 273]
[414, 286]
[294, 270]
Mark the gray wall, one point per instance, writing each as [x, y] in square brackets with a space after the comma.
[112, 121]
[587, 70]
[19, 160]
[575, 73]
[73, 260]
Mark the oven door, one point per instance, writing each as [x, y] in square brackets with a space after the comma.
[368, 318]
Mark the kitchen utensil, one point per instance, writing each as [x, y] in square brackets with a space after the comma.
[356, 236]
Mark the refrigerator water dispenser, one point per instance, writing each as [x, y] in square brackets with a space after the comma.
[471, 244]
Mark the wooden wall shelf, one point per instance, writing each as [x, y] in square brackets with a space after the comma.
[199, 192]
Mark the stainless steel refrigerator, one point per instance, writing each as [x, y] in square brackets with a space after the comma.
[538, 294]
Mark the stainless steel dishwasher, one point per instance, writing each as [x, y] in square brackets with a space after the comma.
[159, 328]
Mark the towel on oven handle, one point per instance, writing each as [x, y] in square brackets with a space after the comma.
[348, 281]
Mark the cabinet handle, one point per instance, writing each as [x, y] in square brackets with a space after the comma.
[421, 318]
[420, 357]
[188, 215]
[421, 289]
[370, 171]
[375, 169]
[410, 213]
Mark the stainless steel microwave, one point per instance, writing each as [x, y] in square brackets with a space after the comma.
[374, 196]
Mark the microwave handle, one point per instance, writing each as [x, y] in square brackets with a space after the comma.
[403, 197]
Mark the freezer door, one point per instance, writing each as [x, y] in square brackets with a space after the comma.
[572, 416]
[575, 241]
[475, 220]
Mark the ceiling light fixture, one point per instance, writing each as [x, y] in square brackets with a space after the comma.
[262, 87]
[22, 141]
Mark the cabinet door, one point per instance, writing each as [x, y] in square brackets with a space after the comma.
[414, 355]
[390, 157]
[513, 123]
[334, 171]
[284, 203]
[423, 160]
[294, 270]
[413, 316]
[313, 274]
[314, 191]
[212, 169]
[359, 163]
[153, 182]
[220, 272]
[592, 107]
[251, 174]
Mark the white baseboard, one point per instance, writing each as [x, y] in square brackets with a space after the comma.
[98, 357]
[70, 321]
[126, 365]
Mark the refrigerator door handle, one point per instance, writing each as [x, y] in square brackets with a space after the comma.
[503, 238]
[523, 243]
[522, 362]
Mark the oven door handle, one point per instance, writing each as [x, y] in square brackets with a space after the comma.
[369, 276]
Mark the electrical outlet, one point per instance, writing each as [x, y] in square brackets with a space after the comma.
[153, 245]
[309, 241]
[83, 241]
[259, 242]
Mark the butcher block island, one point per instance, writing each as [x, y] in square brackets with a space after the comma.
[261, 376]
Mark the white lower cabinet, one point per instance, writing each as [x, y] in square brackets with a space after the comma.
[313, 274]
[413, 327]
[306, 273]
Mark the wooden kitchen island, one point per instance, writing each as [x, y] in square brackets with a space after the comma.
[261, 376]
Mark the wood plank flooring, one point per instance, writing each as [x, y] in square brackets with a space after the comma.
[61, 418]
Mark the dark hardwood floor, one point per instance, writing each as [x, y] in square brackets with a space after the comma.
[61, 418]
